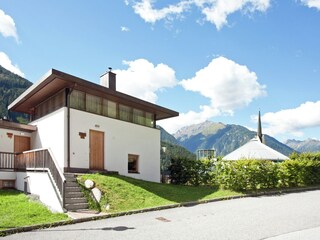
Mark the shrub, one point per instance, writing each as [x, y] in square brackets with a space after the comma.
[192, 172]
[246, 174]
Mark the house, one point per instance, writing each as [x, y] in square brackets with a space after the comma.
[77, 126]
[256, 149]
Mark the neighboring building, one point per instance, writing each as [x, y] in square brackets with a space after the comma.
[85, 127]
[205, 154]
[256, 149]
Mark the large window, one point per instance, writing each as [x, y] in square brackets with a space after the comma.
[50, 105]
[124, 113]
[102, 106]
[112, 109]
[77, 100]
[133, 163]
[138, 117]
[149, 119]
[93, 104]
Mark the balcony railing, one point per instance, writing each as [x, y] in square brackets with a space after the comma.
[37, 160]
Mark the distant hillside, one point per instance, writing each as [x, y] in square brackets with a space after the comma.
[171, 149]
[309, 145]
[167, 137]
[223, 138]
[11, 86]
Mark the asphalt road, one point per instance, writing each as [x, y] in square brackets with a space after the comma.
[288, 216]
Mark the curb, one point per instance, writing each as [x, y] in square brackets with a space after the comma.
[176, 205]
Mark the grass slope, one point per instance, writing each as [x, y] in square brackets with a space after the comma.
[124, 193]
[17, 210]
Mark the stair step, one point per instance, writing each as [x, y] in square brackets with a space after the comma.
[73, 194]
[73, 189]
[72, 184]
[70, 177]
[76, 206]
[75, 200]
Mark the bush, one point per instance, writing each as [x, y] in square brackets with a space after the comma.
[246, 174]
[192, 172]
[294, 173]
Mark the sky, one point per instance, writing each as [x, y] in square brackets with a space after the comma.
[217, 60]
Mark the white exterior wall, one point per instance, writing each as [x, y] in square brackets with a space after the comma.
[8, 175]
[7, 143]
[40, 184]
[52, 133]
[120, 139]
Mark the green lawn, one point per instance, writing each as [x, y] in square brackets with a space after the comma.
[17, 210]
[123, 193]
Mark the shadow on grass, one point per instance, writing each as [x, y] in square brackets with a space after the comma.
[174, 193]
[9, 192]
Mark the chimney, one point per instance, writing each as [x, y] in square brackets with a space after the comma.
[108, 79]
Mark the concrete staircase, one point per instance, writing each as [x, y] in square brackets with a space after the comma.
[74, 199]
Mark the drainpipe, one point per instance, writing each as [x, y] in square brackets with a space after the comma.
[68, 93]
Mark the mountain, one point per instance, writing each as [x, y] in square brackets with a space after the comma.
[309, 145]
[11, 86]
[167, 137]
[224, 138]
[171, 148]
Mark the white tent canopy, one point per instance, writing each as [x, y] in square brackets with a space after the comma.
[255, 149]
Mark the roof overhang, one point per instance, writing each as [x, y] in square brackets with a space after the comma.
[17, 126]
[54, 81]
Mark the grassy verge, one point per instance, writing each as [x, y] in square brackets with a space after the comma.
[124, 194]
[17, 210]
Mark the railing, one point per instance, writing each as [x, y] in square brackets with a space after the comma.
[39, 160]
[6, 160]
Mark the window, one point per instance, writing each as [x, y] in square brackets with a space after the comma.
[133, 163]
[149, 119]
[138, 117]
[50, 105]
[124, 113]
[77, 100]
[102, 106]
[93, 104]
[112, 109]
[109, 108]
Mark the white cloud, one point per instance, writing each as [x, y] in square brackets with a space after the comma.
[215, 11]
[146, 11]
[124, 29]
[312, 3]
[226, 84]
[292, 121]
[7, 64]
[143, 79]
[7, 26]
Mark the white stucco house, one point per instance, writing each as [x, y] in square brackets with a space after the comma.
[79, 126]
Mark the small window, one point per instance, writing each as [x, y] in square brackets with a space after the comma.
[133, 163]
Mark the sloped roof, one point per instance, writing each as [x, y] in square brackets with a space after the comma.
[54, 81]
[255, 149]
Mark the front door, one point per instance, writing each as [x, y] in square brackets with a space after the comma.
[96, 150]
[21, 144]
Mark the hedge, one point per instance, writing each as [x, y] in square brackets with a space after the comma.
[247, 175]
[244, 175]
